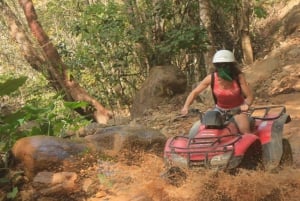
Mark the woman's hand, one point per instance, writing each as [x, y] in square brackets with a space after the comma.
[245, 107]
[184, 111]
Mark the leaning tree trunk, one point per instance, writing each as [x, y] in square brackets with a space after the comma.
[48, 60]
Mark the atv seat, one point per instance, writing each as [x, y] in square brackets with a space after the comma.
[213, 119]
[217, 120]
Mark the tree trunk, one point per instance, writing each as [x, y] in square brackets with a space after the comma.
[245, 37]
[143, 49]
[205, 19]
[48, 60]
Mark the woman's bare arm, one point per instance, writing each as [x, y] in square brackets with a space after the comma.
[191, 97]
[246, 90]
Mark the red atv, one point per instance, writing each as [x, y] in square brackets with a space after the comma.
[218, 144]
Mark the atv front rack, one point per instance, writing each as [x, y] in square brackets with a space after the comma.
[198, 151]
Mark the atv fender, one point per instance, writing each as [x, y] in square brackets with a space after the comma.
[246, 141]
[273, 150]
[248, 144]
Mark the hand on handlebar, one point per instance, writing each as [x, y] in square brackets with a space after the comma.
[184, 111]
[244, 108]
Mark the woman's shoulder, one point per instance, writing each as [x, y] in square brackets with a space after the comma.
[210, 76]
[241, 78]
[207, 79]
[241, 75]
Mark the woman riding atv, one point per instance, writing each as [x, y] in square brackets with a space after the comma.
[230, 90]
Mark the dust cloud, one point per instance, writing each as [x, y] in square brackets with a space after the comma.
[147, 183]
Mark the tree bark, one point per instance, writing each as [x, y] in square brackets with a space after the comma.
[245, 36]
[47, 60]
[143, 49]
[205, 19]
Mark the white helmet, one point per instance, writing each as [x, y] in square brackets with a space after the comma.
[223, 56]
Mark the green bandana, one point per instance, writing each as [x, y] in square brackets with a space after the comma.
[224, 73]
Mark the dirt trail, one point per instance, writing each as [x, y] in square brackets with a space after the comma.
[276, 82]
[251, 185]
[146, 182]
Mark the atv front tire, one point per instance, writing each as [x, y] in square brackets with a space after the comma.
[174, 176]
[252, 159]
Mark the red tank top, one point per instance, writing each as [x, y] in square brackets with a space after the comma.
[228, 98]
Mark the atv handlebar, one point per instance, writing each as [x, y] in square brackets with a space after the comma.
[191, 113]
[261, 113]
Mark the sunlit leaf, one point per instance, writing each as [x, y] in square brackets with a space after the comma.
[13, 194]
[75, 105]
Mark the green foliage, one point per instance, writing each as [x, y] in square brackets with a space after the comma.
[4, 180]
[38, 116]
[229, 6]
[259, 8]
[105, 54]
[13, 193]
[52, 118]
[260, 12]
[186, 38]
[75, 105]
[11, 85]
[120, 42]
[111, 45]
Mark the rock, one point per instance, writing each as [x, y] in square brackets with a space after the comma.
[48, 184]
[129, 197]
[86, 184]
[55, 182]
[50, 178]
[27, 194]
[113, 140]
[162, 83]
[38, 153]
[141, 197]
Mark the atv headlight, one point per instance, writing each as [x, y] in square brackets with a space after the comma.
[221, 160]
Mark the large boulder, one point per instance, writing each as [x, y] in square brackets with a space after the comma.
[116, 139]
[162, 83]
[42, 153]
[38, 153]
